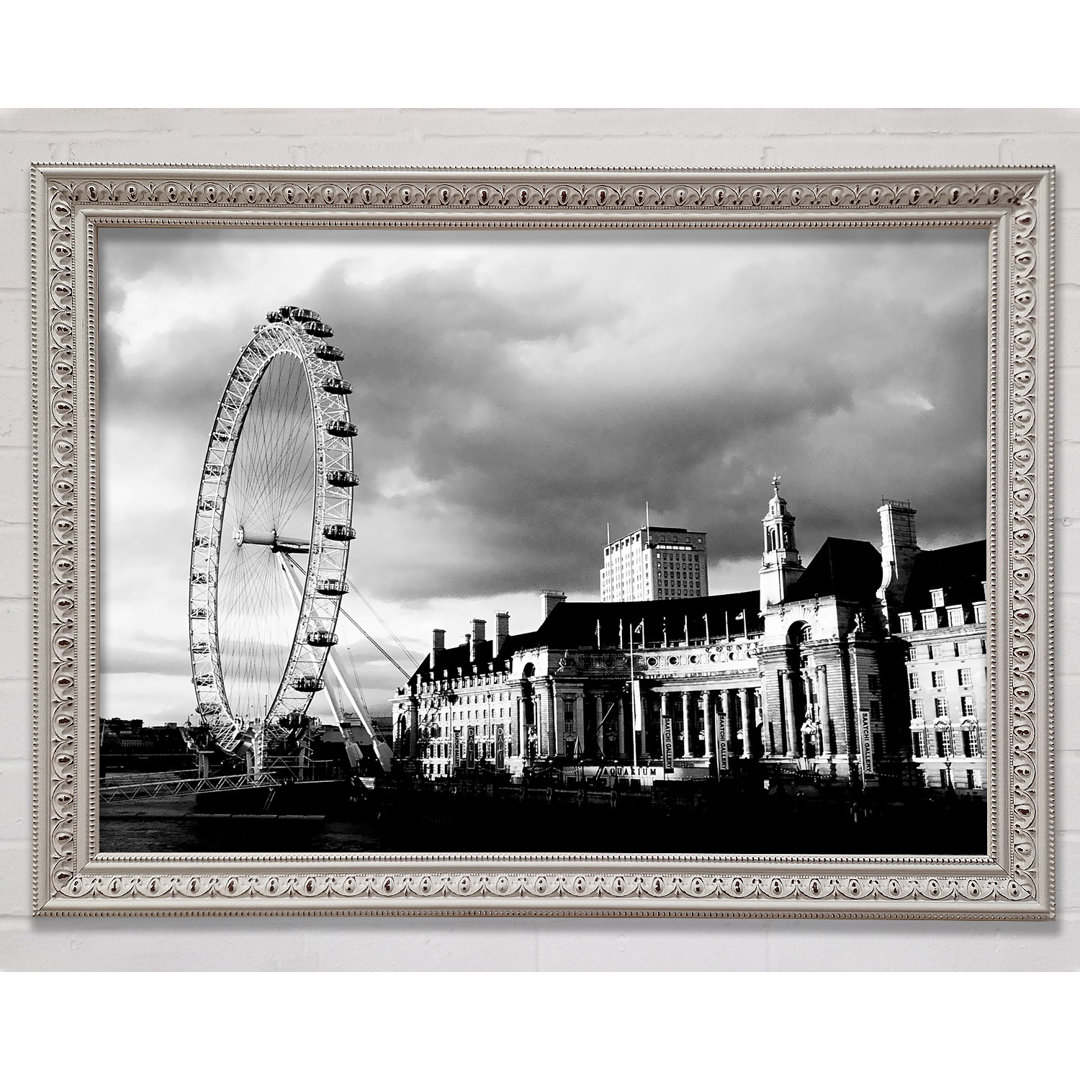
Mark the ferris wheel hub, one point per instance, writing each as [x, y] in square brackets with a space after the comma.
[272, 539]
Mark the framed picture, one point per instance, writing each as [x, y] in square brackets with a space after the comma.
[491, 542]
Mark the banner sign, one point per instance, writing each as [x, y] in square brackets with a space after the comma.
[867, 743]
[668, 743]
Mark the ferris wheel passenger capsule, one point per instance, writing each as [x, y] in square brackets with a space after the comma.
[332, 587]
[334, 385]
[339, 532]
[308, 684]
[316, 328]
[322, 638]
[342, 429]
[328, 352]
[342, 478]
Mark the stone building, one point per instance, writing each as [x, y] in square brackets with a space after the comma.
[856, 666]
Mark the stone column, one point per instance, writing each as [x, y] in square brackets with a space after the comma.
[663, 713]
[823, 710]
[686, 724]
[579, 723]
[620, 730]
[768, 743]
[759, 714]
[707, 712]
[539, 704]
[733, 720]
[598, 712]
[791, 724]
[555, 740]
[747, 724]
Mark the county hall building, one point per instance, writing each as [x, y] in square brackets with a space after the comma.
[861, 664]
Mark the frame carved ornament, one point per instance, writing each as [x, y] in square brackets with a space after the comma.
[1014, 880]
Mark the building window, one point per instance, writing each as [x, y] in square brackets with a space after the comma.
[956, 616]
[980, 612]
[941, 707]
[971, 778]
[967, 706]
[937, 679]
[906, 623]
[929, 619]
[937, 597]
[913, 680]
[965, 676]
[968, 743]
[916, 710]
[918, 744]
[875, 710]
[873, 683]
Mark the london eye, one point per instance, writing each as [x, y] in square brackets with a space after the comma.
[270, 544]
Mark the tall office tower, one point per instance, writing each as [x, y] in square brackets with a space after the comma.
[655, 563]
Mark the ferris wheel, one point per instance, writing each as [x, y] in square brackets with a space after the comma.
[273, 523]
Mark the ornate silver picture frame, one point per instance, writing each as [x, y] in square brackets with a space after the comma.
[1004, 762]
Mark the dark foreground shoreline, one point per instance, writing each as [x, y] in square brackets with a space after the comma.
[684, 819]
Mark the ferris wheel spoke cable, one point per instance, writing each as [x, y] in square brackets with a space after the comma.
[373, 640]
[371, 607]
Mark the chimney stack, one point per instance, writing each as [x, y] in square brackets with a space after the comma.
[548, 599]
[898, 550]
[479, 627]
[438, 645]
[502, 630]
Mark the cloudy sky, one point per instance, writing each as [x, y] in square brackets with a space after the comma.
[516, 392]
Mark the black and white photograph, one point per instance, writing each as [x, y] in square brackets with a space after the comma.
[626, 541]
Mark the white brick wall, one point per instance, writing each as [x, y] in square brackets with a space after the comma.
[515, 138]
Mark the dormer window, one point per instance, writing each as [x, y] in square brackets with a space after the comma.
[906, 622]
[956, 615]
[937, 597]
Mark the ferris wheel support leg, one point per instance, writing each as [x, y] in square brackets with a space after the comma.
[337, 689]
